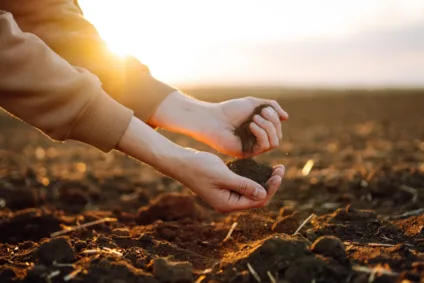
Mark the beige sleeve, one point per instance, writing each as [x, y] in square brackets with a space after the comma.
[61, 25]
[44, 90]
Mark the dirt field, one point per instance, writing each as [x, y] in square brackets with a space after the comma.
[365, 188]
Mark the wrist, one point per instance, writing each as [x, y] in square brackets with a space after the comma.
[183, 114]
[146, 145]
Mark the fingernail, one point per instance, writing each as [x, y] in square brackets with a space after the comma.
[261, 193]
[255, 193]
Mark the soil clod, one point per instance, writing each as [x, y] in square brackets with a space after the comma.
[330, 246]
[55, 250]
[251, 169]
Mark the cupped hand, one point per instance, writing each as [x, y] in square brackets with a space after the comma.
[230, 114]
[208, 176]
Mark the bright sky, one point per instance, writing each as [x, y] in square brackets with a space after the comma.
[280, 42]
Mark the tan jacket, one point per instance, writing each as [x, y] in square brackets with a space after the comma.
[42, 80]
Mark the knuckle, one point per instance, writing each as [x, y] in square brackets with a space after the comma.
[268, 124]
[243, 188]
[262, 135]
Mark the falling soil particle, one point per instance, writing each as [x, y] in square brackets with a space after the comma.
[249, 168]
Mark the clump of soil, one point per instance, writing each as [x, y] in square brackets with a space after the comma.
[249, 168]
[169, 207]
[330, 246]
[248, 140]
[55, 250]
[172, 272]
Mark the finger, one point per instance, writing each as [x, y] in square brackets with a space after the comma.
[274, 182]
[283, 115]
[270, 114]
[269, 128]
[233, 201]
[246, 187]
[261, 137]
[278, 170]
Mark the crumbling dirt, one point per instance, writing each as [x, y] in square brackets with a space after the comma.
[248, 167]
[248, 140]
[366, 188]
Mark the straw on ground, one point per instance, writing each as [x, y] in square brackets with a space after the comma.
[85, 225]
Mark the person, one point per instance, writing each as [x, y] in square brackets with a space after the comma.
[58, 75]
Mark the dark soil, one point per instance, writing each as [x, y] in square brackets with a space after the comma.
[248, 140]
[366, 189]
[249, 168]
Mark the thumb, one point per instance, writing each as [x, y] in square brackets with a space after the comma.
[246, 187]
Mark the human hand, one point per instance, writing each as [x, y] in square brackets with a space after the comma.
[214, 123]
[209, 177]
[204, 173]
[265, 127]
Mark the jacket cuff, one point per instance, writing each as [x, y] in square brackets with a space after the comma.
[142, 92]
[102, 123]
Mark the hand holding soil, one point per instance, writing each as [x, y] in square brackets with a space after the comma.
[216, 124]
[208, 176]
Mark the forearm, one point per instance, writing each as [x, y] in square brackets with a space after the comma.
[183, 114]
[146, 145]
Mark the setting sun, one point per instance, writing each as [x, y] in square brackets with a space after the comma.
[265, 42]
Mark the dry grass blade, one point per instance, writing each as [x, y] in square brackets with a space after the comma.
[254, 273]
[72, 275]
[304, 223]
[373, 271]
[115, 252]
[230, 232]
[410, 190]
[200, 279]
[308, 167]
[380, 245]
[51, 275]
[408, 213]
[85, 225]
[271, 278]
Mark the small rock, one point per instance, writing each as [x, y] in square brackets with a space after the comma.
[329, 246]
[172, 272]
[351, 214]
[57, 249]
